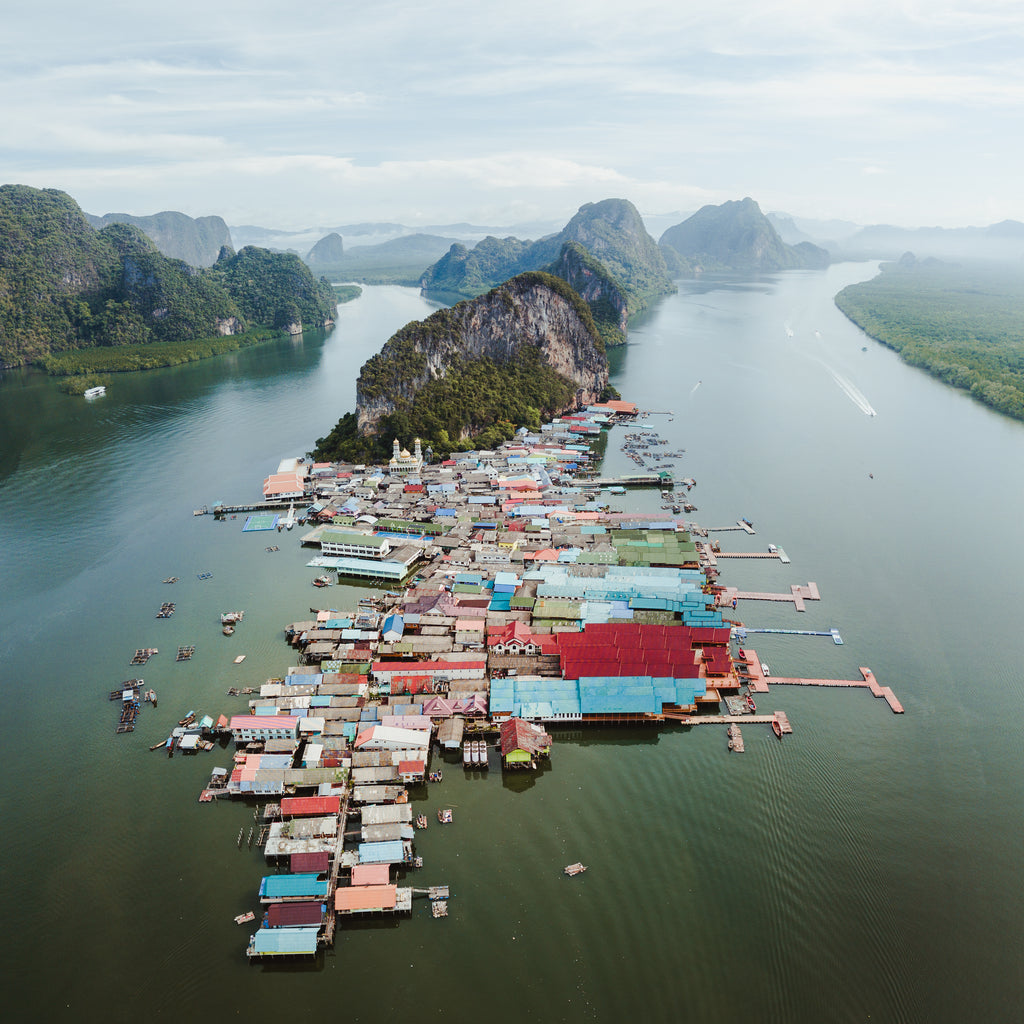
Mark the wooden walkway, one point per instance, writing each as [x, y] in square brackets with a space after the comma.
[780, 555]
[797, 594]
[758, 682]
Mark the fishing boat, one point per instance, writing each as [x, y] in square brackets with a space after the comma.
[246, 917]
[750, 703]
[94, 392]
[421, 821]
[322, 581]
[230, 618]
[240, 659]
[436, 776]
[776, 728]
[574, 869]
[444, 815]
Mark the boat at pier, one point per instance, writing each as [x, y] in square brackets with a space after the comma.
[776, 728]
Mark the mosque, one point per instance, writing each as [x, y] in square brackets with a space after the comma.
[404, 464]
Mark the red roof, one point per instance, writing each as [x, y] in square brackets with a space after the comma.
[415, 767]
[316, 863]
[306, 806]
[628, 649]
[284, 915]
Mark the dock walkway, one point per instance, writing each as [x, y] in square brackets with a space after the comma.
[758, 682]
[797, 594]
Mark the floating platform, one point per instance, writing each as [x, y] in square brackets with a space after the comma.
[735, 739]
[143, 654]
[185, 653]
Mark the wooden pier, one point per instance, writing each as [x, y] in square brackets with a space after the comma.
[797, 595]
[758, 682]
[779, 554]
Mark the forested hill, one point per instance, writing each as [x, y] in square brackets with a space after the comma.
[66, 286]
[610, 231]
[735, 236]
[962, 324]
[472, 373]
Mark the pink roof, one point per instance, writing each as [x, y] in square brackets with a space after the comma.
[428, 667]
[262, 722]
[371, 874]
[365, 897]
[469, 625]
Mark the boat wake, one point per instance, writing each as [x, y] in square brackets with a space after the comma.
[852, 392]
[693, 390]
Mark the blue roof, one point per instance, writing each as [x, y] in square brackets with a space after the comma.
[268, 941]
[382, 853]
[285, 886]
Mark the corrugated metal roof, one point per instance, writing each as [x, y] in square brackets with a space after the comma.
[285, 941]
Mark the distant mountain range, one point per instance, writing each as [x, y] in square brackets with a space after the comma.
[196, 241]
[735, 236]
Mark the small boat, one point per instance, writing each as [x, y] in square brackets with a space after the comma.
[240, 659]
[574, 869]
[322, 581]
[436, 776]
[246, 917]
[230, 618]
[444, 815]
[750, 703]
[94, 392]
[765, 670]
[776, 728]
[467, 754]
[228, 630]
[421, 821]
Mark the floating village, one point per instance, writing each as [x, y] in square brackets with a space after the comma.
[507, 600]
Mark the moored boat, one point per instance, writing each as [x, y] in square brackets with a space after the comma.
[776, 728]
[94, 392]
[574, 869]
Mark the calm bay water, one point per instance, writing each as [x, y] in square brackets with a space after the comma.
[865, 868]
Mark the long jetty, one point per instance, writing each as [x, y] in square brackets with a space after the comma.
[758, 681]
[797, 594]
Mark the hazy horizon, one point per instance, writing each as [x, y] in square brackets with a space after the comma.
[873, 113]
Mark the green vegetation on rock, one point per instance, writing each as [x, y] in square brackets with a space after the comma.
[479, 402]
[610, 232]
[962, 324]
[67, 287]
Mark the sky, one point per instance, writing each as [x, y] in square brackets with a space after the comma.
[288, 116]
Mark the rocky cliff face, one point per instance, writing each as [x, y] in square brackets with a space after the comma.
[594, 284]
[533, 309]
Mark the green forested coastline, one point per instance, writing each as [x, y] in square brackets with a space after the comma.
[67, 288]
[962, 324]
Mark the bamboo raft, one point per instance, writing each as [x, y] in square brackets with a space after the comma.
[143, 654]
[185, 653]
[166, 610]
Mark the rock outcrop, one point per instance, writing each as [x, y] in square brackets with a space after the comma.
[329, 251]
[532, 310]
[611, 231]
